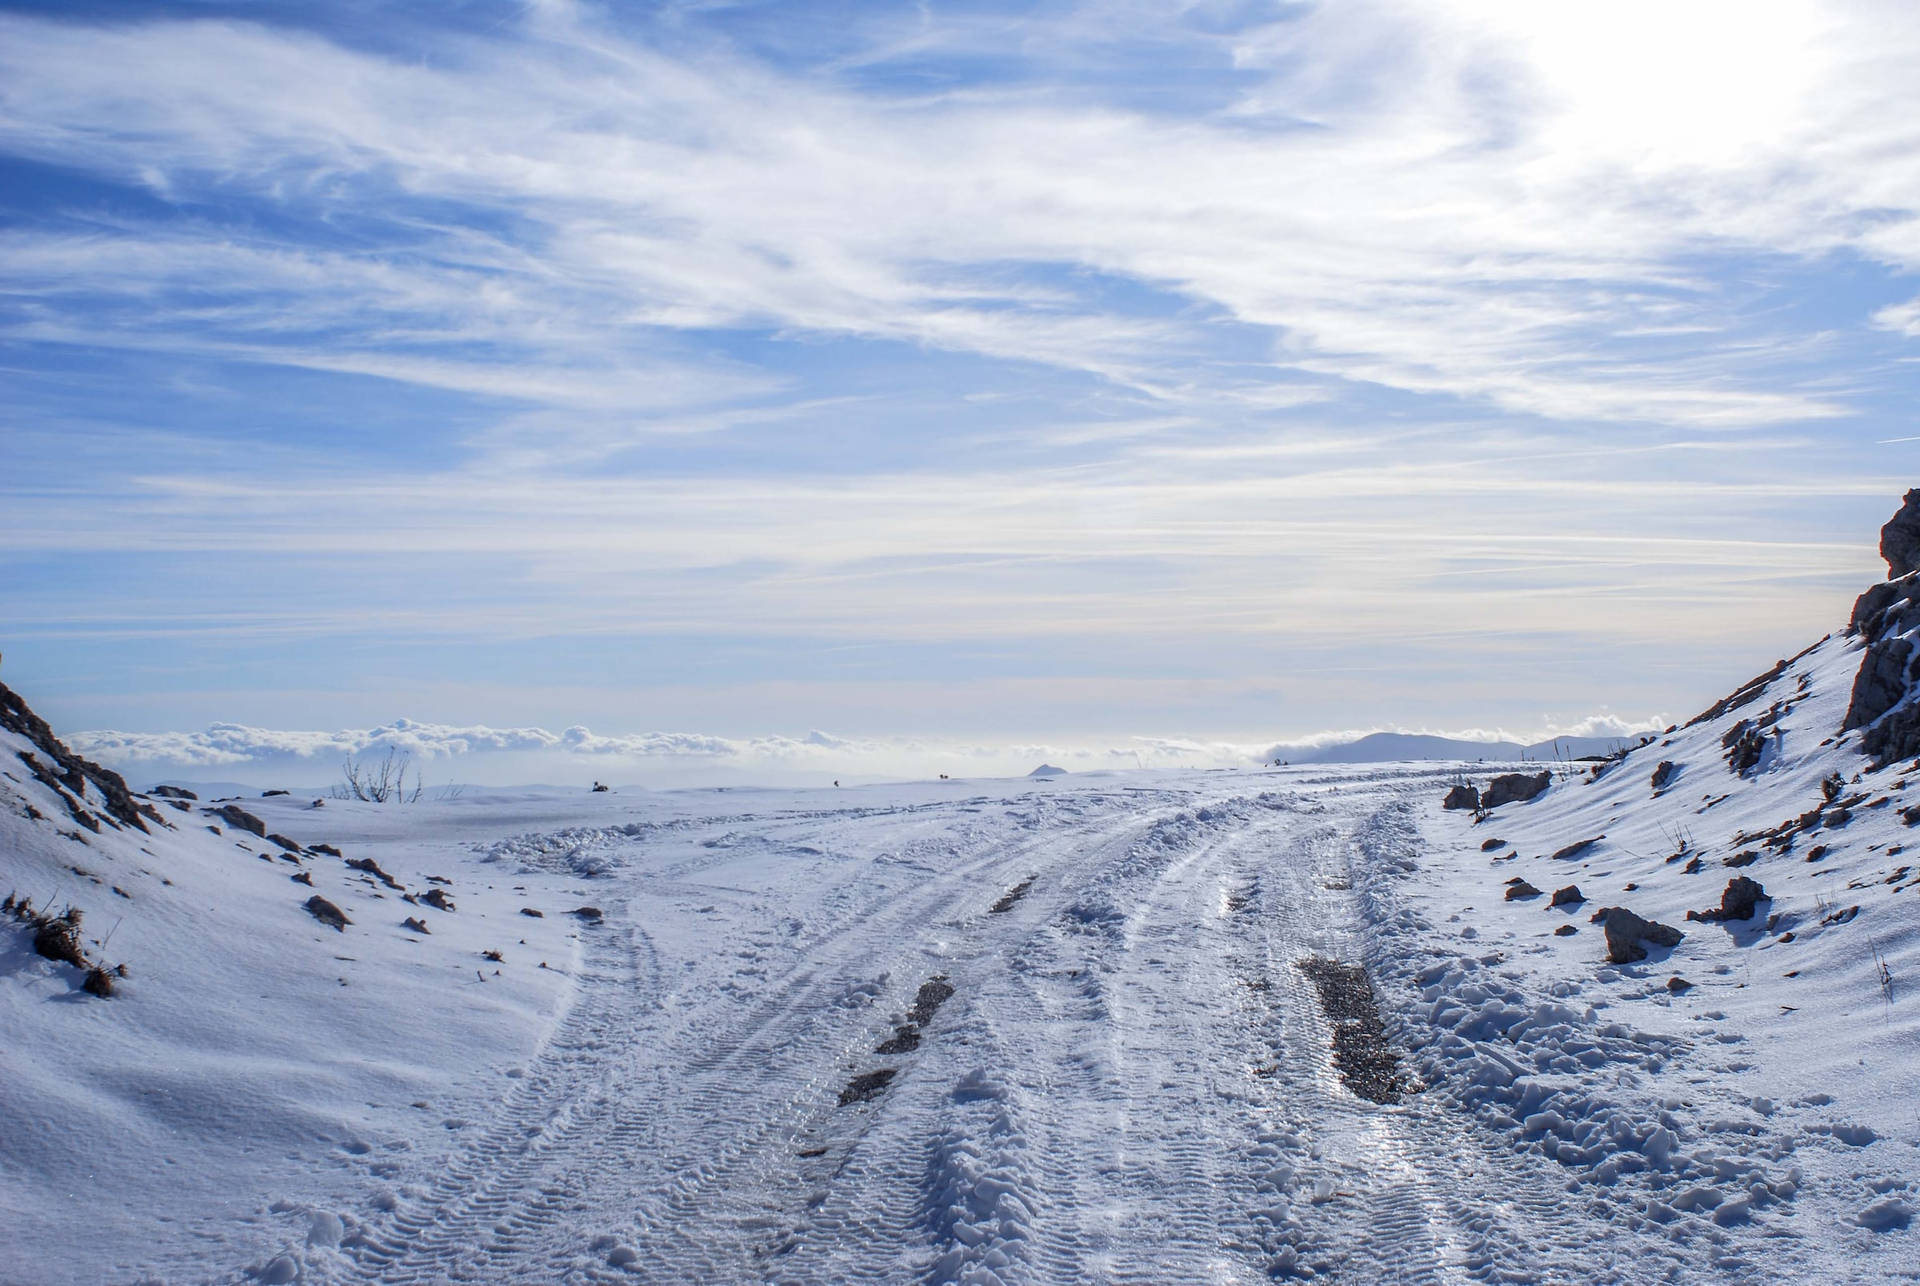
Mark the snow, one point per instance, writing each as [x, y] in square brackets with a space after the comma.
[1133, 1080]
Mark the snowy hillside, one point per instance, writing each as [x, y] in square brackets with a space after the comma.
[1112, 1029]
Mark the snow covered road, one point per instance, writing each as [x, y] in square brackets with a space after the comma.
[1131, 1082]
[1013, 1032]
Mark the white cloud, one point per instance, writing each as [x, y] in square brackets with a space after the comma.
[230, 748]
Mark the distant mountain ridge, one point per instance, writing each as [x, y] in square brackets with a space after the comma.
[1390, 747]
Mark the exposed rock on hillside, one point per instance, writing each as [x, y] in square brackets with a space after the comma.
[1514, 787]
[1900, 538]
[1737, 902]
[1887, 617]
[69, 774]
[1626, 932]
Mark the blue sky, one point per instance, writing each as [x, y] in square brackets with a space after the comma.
[962, 375]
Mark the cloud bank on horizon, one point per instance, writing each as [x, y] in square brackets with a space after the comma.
[1232, 365]
[503, 756]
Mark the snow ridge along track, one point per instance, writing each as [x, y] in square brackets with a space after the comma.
[1131, 1083]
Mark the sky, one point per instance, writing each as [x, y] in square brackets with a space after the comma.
[805, 387]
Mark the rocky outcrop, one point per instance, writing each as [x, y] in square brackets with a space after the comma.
[68, 774]
[1900, 538]
[1887, 618]
[1514, 788]
[1663, 775]
[1745, 694]
[1467, 797]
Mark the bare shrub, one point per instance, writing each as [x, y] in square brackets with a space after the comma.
[382, 781]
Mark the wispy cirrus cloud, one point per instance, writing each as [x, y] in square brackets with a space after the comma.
[1435, 228]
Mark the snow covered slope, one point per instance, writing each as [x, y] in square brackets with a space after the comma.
[249, 1042]
[1744, 1097]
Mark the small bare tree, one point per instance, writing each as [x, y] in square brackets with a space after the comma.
[380, 782]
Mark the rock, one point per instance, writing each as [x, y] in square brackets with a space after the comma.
[416, 924]
[327, 913]
[1518, 890]
[302, 877]
[1664, 774]
[1744, 743]
[1746, 857]
[527, 910]
[1626, 931]
[1575, 849]
[284, 842]
[1837, 817]
[1569, 896]
[588, 913]
[437, 899]
[1736, 901]
[1514, 787]
[328, 849]
[372, 868]
[1885, 617]
[1462, 797]
[240, 819]
[172, 792]
[1900, 538]
[269, 794]
[1565, 931]
[1677, 984]
[1489, 845]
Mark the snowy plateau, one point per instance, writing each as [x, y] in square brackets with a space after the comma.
[1235, 1026]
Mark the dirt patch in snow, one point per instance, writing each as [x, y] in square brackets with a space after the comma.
[867, 1085]
[1011, 897]
[1367, 1064]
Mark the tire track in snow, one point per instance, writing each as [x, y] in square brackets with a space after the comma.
[695, 1203]
[700, 1204]
[1434, 1199]
[930, 1186]
[457, 1228]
